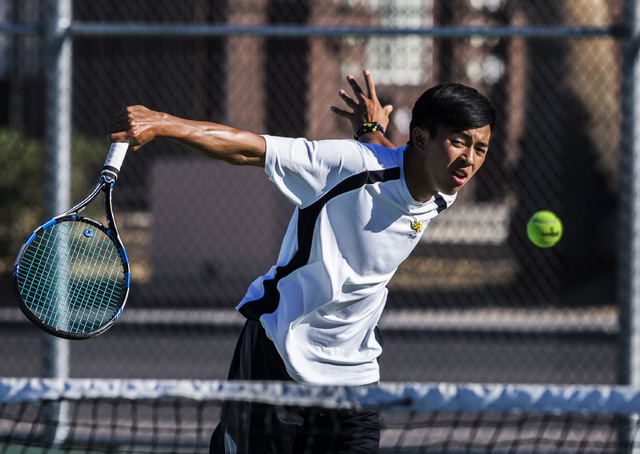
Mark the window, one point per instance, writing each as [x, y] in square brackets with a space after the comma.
[401, 60]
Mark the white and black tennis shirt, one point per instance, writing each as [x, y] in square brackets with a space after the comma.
[355, 222]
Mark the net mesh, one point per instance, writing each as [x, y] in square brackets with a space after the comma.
[71, 277]
[180, 416]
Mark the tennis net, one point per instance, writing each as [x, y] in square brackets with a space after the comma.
[172, 416]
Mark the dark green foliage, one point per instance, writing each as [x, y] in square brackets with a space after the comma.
[22, 185]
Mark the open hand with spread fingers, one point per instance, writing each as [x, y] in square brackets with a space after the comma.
[368, 118]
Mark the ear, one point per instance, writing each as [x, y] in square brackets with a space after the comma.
[419, 137]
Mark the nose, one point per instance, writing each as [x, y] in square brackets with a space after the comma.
[469, 156]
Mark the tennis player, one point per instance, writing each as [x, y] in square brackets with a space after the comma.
[362, 207]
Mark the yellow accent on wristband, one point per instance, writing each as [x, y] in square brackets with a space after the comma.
[368, 127]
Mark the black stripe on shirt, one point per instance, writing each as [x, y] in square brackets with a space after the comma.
[441, 203]
[307, 218]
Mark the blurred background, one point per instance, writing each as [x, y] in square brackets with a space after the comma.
[475, 302]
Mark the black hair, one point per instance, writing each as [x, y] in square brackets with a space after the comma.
[451, 105]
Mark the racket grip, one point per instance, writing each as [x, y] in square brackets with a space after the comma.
[115, 158]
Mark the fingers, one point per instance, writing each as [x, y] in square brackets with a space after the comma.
[347, 99]
[118, 126]
[120, 119]
[341, 113]
[122, 136]
[121, 116]
[371, 89]
[121, 127]
[365, 107]
[135, 124]
[357, 90]
[355, 86]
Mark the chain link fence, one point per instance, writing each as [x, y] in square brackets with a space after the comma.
[475, 302]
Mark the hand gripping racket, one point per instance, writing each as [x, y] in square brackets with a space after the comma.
[71, 277]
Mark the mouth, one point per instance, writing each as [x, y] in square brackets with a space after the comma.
[460, 176]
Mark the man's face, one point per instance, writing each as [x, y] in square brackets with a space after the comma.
[452, 157]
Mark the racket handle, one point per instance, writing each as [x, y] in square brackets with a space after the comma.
[115, 158]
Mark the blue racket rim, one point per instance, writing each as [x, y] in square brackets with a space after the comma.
[95, 283]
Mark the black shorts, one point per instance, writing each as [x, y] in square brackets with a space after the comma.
[258, 428]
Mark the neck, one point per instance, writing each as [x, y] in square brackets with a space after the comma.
[415, 177]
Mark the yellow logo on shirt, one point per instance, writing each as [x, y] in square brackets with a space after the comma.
[417, 226]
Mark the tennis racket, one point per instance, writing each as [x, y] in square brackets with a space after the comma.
[71, 277]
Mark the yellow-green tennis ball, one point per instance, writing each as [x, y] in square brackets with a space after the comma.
[544, 229]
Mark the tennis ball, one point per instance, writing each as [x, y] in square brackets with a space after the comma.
[544, 229]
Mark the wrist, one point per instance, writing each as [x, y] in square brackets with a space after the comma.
[164, 126]
[368, 127]
[168, 126]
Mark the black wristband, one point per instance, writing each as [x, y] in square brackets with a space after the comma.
[368, 127]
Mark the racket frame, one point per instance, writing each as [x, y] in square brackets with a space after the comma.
[105, 185]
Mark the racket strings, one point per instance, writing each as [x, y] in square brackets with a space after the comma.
[59, 291]
[70, 280]
[87, 277]
[84, 265]
[70, 269]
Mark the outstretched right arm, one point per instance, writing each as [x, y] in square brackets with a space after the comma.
[139, 125]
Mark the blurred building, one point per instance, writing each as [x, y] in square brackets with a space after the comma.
[554, 146]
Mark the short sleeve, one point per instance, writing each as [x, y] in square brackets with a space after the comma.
[306, 170]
